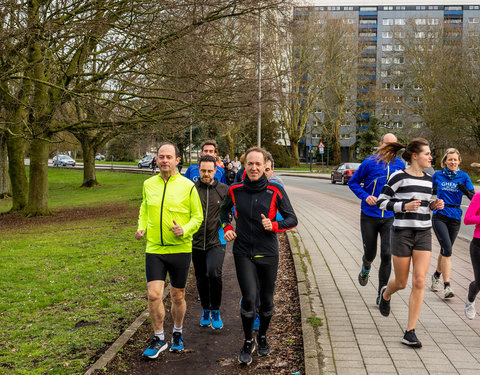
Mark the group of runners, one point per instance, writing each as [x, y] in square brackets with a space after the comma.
[399, 205]
[189, 218]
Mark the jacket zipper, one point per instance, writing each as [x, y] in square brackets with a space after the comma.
[161, 210]
[206, 220]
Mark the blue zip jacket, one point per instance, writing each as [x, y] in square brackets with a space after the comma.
[193, 174]
[373, 173]
[450, 193]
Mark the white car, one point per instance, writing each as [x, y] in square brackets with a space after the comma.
[63, 160]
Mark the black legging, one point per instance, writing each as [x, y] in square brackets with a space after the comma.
[475, 257]
[371, 227]
[446, 234]
[248, 270]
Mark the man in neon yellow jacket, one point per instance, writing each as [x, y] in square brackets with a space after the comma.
[170, 214]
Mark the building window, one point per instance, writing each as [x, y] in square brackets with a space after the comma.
[367, 35]
[399, 34]
[386, 60]
[474, 7]
[368, 9]
[402, 7]
[399, 47]
[453, 8]
[400, 21]
[387, 47]
[420, 7]
[419, 35]
[388, 8]
[387, 34]
[399, 99]
[386, 85]
[397, 73]
[387, 21]
[454, 20]
[398, 124]
[417, 99]
[418, 124]
[432, 21]
[398, 86]
[399, 60]
[420, 21]
[473, 20]
[368, 22]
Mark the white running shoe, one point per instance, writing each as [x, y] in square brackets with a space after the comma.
[436, 287]
[448, 292]
[470, 309]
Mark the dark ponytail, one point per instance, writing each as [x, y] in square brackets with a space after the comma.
[389, 151]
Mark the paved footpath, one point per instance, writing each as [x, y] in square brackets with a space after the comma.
[355, 338]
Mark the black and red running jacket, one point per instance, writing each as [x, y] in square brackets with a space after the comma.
[251, 199]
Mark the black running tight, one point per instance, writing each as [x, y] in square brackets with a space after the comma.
[475, 256]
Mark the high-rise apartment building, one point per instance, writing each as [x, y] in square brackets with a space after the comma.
[380, 25]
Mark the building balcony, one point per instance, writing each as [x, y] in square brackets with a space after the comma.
[367, 14]
[367, 38]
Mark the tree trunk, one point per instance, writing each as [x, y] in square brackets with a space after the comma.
[337, 155]
[294, 150]
[229, 140]
[38, 189]
[89, 175]
[5, 187]
[16, 171]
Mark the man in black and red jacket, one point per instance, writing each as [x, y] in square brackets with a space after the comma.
[255, 249]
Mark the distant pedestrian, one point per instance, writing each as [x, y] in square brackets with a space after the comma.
[408, 194]
[255, 249]
[180, 165]
[229, 174]
[450, 184]
[154, 165]
[208, 147]
[241, 172]
[170, 213]
[236, 164]
[208, 248]
[472, 217]
[367, 183]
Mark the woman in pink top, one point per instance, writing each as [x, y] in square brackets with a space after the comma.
[472, 216]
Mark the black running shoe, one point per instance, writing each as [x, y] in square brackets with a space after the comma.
[410, 339]
[384, 306]
[363, 276]
[263, 347]
[245, 356]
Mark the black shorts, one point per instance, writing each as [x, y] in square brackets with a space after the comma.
[177, 266]
[404, 241]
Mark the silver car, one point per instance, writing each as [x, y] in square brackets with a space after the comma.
[63, 160]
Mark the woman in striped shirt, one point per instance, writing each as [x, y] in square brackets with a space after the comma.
[408, 193]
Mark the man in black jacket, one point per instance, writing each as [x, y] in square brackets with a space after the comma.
[208, 244]
[255, 249]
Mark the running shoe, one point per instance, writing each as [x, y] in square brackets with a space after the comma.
[205, 321]
[377, 301]
[448, 292]
[216, 319]
[384, 306]
[177, 342]
[436, 287]
[245, 356]
[155, 348]
[411, 340]
[363, 276]
[256, 323]
[470, 311]
[263, 347]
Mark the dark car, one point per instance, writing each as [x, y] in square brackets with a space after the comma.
[343, 172]
[146, 161]
[63, 160]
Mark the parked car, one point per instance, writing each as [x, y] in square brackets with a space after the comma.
[63, 160]
[99, 157]
[343, 172]
[146, 161]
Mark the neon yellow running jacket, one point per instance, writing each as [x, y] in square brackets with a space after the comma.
[177, 199]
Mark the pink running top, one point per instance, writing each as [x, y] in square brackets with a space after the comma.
[472, 216]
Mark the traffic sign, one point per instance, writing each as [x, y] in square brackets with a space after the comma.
[320, 145]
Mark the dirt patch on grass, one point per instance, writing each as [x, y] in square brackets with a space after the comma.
[215, 352]
[15, 221]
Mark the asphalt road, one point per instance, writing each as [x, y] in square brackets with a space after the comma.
[342, 191]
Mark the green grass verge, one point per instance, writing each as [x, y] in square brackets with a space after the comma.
[69, 289]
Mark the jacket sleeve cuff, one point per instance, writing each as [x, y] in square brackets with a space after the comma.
[227, 228]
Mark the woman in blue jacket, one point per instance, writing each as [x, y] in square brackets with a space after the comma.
[451, 184]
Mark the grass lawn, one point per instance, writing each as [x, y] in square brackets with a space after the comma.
[70, 284]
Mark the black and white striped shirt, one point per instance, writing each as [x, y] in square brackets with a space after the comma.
[402, 188]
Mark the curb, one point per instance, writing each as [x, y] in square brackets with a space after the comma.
[312, 351]
[112, 351]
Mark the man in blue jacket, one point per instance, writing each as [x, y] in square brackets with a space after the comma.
[374, 173]
[209, 147]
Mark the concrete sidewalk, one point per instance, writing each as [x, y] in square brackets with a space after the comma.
[355, 338]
